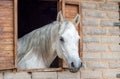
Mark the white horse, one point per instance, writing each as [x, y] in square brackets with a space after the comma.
[40, 47]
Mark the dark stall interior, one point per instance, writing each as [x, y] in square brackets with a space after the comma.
[33, 14]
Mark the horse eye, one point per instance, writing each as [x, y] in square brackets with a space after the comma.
[62, 39]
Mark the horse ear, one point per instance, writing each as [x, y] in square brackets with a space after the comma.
[59, 16]
[76, 20]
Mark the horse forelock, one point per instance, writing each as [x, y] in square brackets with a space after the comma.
[66, 25]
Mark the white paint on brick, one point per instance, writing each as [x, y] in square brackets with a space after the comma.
[109, 7]
[108, 23]
[97, 1]
[91, 74]
[115, 65]
[88, 22]
[110, 73]
[8, 75]
[111, 39]
[84, 48]
[83, 13]
[111, 56]
[44, 75]
[90, 39]
[91, 56]
[95, 14]
[18, 75]
[96, 48]
[113, 1]
[1, 75]
[113, 15]
[115, 48]
[84, 31]
[96, 31]
[89, 5]
[68, 75]
[113, 31]
[97, 65]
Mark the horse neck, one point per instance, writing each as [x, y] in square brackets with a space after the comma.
[51, 33]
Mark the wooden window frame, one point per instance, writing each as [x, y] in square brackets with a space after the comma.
[16, 40]
[15, 22]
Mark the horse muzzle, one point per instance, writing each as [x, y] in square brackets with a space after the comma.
[75, 67]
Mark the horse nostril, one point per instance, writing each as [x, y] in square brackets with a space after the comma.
[72, 64]
[81, 64]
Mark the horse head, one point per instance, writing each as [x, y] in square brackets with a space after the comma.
[68, 41]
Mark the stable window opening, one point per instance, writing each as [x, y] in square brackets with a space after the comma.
[25, 16]
[34, 14]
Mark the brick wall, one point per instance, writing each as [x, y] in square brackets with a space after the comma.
[101, 49]
[101, 39]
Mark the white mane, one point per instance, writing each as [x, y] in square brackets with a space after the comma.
[35, 48]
